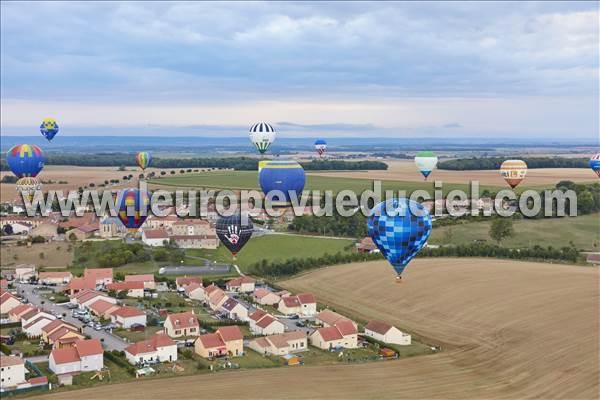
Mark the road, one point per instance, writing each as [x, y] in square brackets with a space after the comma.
[109, 341]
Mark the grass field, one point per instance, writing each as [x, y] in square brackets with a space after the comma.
[55, 255]
[583, 231]
[508, 330]
[335, 183]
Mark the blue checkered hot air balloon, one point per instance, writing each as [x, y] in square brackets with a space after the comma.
[399, 232]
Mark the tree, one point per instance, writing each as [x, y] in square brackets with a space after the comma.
[72, 237]
[122, 294]
[501, 229]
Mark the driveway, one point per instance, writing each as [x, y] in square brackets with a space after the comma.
[110, 341]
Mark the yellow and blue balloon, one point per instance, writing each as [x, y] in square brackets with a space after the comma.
[49, 128]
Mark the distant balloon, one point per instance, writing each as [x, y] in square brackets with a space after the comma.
[28, 185]
[233, 233]
[25, 160]
[426, 162]
[262, 135]
[49, 128]
[320, 146]
[285, 176]
[402, 235]
[513, 172]
[595, 164]
[133, 206]
[143, 159]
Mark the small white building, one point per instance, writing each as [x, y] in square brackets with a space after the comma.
[386, 333]
[12, 371]
[159, 348]
[155, 237]
[25, 271]
[125, 317]
[83, 356]
[234, 310]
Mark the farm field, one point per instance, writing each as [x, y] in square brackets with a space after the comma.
[405, 170]
[541, 341]
[56, 255]
[583, 231]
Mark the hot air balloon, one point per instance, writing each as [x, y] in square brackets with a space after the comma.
[133, 205]
[143, 159]
[28, 185]
[261, 164]
[513, 172]
[25, 160]
[595, 164]
[426, 162]
[262, 135]
[49, 128]
[285, 176]
[401, 234]
[233, 233]
[320, 146]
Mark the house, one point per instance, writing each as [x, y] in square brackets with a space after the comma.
[191, 227]
[265, 297]
[33, 328]
[386, 333]
[227, 340]
[102, 308]
[234, 310]
[366, 245]
[101, 276]
[154, 222]
[132, 288]
[54, 278]
[195, 291]
[303, 304]
[281, 344]
[84, 231]
[330, 318]
[343, 334]
[146, 279]
[215, 296]
[182, 324]
[86, 297]
[242, 284]
[125, 317]
[8, 302]
[57, 333]
[183, 281]
[79, 284]
[262, 323]
[34, 314]
[159, 348]
[24, 272]
[12, 370]
[155, 237]
[14, 315]
[83, 356]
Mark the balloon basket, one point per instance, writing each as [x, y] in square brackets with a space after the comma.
[398, 279]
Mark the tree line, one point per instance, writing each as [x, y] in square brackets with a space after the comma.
[237, 163]
[567, 254]
[490, 163]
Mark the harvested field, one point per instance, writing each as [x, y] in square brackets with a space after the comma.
[508, 329]
[406, 171]
[55, 255]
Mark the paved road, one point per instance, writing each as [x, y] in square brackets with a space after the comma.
[110, 341]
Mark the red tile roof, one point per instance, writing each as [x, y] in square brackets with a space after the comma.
[291, 301]
[5, 296]
[155, 234]
[101, 306]
[257, 315]
[229, 333]
[20, 310]
[98, 273]
[237, 282]
[183, 320]
[128, 312]
[307, 298]
[81, 348]
[330, 317]
[60, 332]
[265, 321]
[119, 286]
[81, 283]
[139, 278]
[53, 325]
[261, 292]
[183, 281]
[30, 314]
[38, 380]
[8, 361]
[150, 345]
[230, 304]
[330, 333]
[65, 355]
[36, 320]
[89, 347]
[346, 327]
[378, 326]
[191, 287]
[211, 340]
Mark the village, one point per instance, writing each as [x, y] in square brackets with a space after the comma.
[60, 330]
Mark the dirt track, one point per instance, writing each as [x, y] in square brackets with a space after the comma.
[509, 329]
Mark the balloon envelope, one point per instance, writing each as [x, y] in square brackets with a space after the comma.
[595, 164]
[25, 160]
[49, 128]
[133, 205]
[399, 237]
[28, 185]
[143, 159]
[262, 135]
[285, 176]
[426, 161]
[320, 146]
[233, 233]
[513, 172]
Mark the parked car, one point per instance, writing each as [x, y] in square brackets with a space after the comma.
[295, 316]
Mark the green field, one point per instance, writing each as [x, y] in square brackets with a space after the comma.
[275, 247]
[249, 180]
[583, 231]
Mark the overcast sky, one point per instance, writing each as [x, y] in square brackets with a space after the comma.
[482, 69]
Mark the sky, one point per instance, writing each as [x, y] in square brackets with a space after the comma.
[436, 69]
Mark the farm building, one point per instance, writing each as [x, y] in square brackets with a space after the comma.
[159, 348]
[281, 344]
[386, 333]
[182, 324]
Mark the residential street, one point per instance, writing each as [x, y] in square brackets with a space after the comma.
[109, 341]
